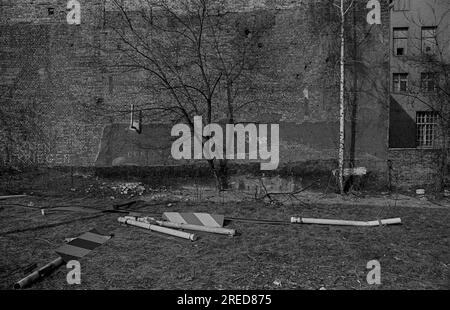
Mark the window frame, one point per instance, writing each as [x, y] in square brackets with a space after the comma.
[399, 74]
[434, 78]
[397, 39]
[425, 39]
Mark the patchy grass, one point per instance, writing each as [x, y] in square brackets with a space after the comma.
[414, 255]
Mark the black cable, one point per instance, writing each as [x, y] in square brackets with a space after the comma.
[49, 225]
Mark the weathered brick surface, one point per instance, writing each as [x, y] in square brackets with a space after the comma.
[414, 168]
[61, 70]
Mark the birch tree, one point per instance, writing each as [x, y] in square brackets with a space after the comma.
[343, 10]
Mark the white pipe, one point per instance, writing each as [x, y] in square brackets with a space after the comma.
[160, 229]
[214, 230]
[301, 220]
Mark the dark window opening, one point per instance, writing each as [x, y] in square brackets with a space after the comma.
[51, 11]
[400, 82]
[428, 82]
[429, 40]
[400, 37]
[99, 100]
[111, 84]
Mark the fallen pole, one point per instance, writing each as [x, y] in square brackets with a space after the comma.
[157, 228]
[214, 230]
[39, 274]
[301, 220]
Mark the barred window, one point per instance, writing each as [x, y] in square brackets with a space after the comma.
[429, 40]
[428, 82]
[426, 128]
[400, 82]
[400, 36]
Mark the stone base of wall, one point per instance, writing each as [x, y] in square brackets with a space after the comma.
[314, 174]
[414, 168]
[289, 177]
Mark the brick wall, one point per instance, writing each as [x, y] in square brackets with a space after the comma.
[61, 71]
[414, 168]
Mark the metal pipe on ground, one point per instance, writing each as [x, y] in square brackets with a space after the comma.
[214, 230]
[39, 274]
[157, 228]
[301, 220]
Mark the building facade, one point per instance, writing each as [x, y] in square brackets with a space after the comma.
[63, 105]
[419, 58]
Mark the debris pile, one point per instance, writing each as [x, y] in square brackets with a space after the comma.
[135, 189]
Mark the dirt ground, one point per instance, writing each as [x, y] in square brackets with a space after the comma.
[414, 255]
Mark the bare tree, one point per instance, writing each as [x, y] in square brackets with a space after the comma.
[193, 57]
[343, 10]
[357, 76]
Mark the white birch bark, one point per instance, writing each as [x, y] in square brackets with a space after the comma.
[341, 103]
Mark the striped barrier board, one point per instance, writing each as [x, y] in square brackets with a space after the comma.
[201, 219]
[81, 246]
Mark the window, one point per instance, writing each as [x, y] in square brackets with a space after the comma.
[111, 84]
[51, 11]
[400, 41]
[428, 82]
[402, 5]
[400, 82]
[429, 40]
[426, 128]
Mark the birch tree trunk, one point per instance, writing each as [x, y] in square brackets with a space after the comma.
[341, 104]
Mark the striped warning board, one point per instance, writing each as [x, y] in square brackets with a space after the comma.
[202, 219]
[81, 246]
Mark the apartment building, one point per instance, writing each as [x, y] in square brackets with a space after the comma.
[419, 57]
